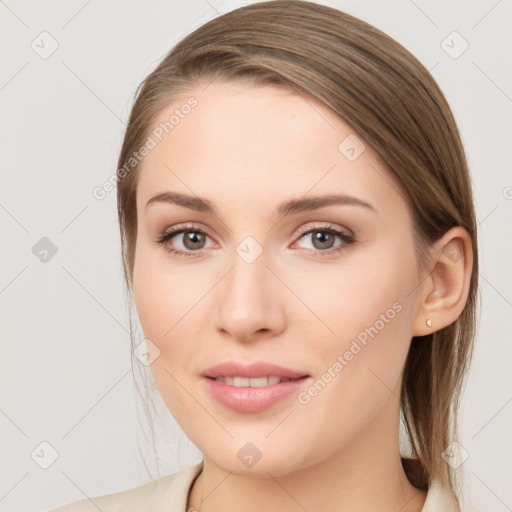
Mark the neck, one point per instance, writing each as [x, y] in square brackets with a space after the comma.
[367, 474]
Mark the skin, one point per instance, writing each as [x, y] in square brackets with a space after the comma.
[247, 149]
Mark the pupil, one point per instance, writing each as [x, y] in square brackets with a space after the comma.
[191, 238]
[321, 237]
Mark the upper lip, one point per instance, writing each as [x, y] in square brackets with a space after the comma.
[254, 370]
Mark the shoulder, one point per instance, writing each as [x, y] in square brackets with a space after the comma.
[168, 494]
[440, 499]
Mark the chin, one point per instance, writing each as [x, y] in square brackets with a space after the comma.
[251, 462]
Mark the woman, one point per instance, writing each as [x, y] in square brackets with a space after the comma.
[299, 236]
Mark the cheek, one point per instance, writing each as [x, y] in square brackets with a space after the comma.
[160, 308]
[360, 373]
[368, 310]
[162, 295]
[365, 293]
[168, 303]
[150, 301]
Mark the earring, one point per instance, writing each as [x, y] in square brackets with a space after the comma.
[429, 322]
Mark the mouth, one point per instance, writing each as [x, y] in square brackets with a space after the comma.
[241, 375]
[257, 382]
[253, 388]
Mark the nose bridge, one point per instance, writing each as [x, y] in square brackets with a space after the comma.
[248, 301]
[246, 282]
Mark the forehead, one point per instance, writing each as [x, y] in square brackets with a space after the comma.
[242, 143]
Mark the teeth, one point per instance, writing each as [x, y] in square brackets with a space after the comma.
[258, 382]
[240, 382]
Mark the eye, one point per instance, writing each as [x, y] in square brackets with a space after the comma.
[323, 239]
[190, 238]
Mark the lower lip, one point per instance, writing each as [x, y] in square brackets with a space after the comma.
[247, 399]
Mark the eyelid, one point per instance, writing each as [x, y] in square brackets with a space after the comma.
[301, 230]
[325, 225]
[186, 227]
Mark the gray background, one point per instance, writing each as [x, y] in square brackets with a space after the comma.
[65, 359]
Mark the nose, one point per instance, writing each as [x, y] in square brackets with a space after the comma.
[250, 301]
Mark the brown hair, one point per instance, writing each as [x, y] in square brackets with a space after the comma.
[393, 103]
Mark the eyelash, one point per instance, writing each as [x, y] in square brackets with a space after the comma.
[167, 235]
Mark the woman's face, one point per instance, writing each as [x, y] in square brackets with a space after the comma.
[274, 274]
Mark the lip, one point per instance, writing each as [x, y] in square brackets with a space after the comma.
[254, 370]
[252, 399]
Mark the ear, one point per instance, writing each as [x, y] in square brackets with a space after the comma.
[444, 291]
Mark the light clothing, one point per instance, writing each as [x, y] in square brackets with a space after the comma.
[170, 493]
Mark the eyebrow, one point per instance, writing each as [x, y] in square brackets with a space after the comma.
[289, 207]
